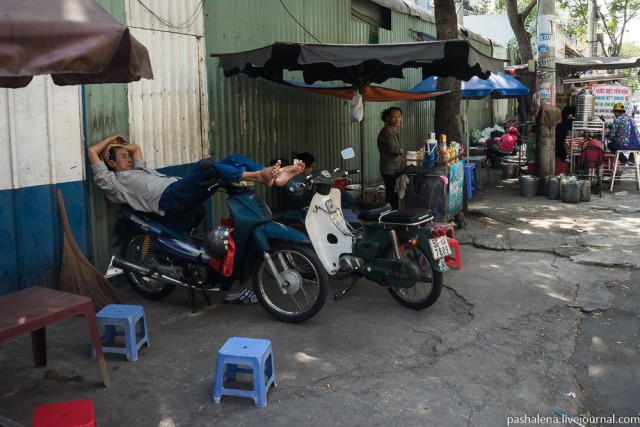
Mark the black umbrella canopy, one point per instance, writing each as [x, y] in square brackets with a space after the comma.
[76, 41]
[361, 65]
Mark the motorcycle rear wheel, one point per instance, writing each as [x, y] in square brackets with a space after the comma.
[307, 280]
[427, 289]
[134, 250]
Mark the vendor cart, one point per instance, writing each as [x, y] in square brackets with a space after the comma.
[439, 189]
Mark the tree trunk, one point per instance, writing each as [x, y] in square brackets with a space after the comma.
[447, 114]
[517, 21]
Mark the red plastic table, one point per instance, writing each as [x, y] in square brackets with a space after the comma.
[33, 309]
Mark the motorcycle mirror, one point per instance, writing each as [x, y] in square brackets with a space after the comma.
[348, 153]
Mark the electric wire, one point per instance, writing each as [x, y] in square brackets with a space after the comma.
[298, 22]
[186, 24]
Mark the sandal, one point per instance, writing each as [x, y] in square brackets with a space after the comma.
[246, 297]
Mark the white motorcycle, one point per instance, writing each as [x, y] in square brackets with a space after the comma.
[396, 249]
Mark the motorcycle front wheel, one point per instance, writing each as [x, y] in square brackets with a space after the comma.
[306, 283]
[144, 250]
[427, 289]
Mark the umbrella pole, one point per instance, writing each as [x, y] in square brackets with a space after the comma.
[466, 126]
[362, 160]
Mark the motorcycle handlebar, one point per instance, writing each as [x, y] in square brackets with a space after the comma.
[352, 171]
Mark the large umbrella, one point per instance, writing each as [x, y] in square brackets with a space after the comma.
[498, 86]
[361, 65]
[75, 41]
[475, 88]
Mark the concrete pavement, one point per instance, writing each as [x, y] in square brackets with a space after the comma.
[543, 316]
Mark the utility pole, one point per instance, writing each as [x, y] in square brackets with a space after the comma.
[592, 21]
[546, 84]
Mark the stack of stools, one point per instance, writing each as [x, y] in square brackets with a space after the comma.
[257, 357]
[635, 167]
[127, 317]
[77, 413]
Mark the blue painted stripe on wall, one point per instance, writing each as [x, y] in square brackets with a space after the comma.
[31, 234]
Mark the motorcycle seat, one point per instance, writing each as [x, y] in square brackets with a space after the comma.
[369, 211]
[408, 217]
[193, 212]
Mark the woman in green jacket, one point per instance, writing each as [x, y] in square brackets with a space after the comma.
[390, 152]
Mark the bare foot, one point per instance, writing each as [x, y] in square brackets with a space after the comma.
[275, 169]
[266, 176]
[288, 172]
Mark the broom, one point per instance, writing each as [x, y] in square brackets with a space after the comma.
[78, 276]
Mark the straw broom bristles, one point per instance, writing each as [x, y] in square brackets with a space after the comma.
[78, 275]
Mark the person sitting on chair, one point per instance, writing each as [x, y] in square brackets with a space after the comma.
[119, 169]
[623, 134]
[505, 147]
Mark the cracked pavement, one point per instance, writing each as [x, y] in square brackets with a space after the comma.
[546, 306]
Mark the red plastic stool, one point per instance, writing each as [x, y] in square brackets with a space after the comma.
[77, 413]
[444, 229]
[454, 258]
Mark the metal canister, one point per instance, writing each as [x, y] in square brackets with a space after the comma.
[586, 105]
[553, 188]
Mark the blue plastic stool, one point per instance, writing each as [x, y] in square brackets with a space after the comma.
[125, 316]
[251, 352]
[468, 169]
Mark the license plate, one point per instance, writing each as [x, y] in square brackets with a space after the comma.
[439, 247]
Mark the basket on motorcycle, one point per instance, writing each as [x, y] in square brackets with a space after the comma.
[416, 216]
[426, 190]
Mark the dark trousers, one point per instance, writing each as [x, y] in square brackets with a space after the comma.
[613, 147]
[187, 191]
[390, 194]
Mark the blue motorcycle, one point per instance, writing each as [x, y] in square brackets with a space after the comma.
[162, 253]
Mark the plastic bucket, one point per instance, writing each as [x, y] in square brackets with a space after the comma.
[585, 190]
[529, 185]
[509, 170]
[571, 192]
[553, 188]
[544, 186]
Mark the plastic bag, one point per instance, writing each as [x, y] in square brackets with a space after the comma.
[475, 136]
[357, 109]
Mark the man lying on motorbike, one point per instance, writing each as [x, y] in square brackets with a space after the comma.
[119, 169]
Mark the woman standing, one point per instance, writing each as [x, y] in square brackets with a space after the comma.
[390, 152]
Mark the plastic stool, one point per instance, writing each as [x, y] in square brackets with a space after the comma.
[77, 413]
[454, 258]
[252, 352]
[125, 316]
[470, 168]
[636, 168]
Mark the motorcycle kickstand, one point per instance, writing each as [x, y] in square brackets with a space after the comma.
[205, 294]
[339, 296]
[192, 296]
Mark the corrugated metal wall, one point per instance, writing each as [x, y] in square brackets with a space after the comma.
[190, 108]
[41, 151]
[166, 116]
[268, 121]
